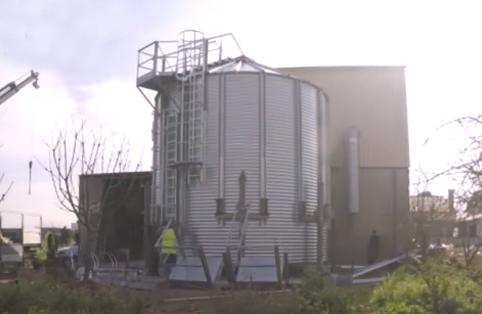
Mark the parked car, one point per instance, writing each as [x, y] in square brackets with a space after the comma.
[9, 272]
[69, 250]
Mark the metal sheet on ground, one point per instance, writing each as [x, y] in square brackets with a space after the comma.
[376, 266]
[257, 269]
[11, 252]
[190, 269]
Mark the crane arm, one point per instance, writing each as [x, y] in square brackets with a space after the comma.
[12, 88]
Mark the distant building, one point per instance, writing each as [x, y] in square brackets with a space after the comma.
[470, 226]
[437, 211]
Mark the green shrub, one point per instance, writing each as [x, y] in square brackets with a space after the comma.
[435, 287]
[402, 308]
[251, 303]
[314, 297]
[63, 299]
[311, 297]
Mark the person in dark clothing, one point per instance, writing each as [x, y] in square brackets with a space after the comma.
[439, 243]
[373, 249]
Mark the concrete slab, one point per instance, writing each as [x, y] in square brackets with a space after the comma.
[189, 269]
[258, 269]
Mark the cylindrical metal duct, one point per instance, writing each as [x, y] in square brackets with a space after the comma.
[352, 165]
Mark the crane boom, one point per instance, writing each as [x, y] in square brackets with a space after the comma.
[12, 88]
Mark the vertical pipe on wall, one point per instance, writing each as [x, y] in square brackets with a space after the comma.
[331, 214]
[205, 108]
[160, 215]
[321, 183]
[324, 181]
[263, 206]
[299, 146]
[352, 137]
[147, 251]
[325, 165]
[394, 212]
[181, 174]
[221, 144]
[327, 147]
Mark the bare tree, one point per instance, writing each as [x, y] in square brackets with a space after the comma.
[75, 156]
[466, 171]
[4, 194]
[431, 219]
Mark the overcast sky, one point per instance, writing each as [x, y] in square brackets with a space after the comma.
[86, 53]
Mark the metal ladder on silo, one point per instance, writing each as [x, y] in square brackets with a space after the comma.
[190, 73]
[170, 179]
[196, 128]
[157, 168]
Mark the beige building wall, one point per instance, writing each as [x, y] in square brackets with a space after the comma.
[90, 196]
[373, 99]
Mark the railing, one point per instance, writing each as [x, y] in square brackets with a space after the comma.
[153, 59]
[161, 56]
[96, 265]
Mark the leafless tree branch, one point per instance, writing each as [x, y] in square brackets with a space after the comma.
[4, 194]
[466, 171]
[75, 156]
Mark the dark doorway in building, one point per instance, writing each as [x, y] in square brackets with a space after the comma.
[122, 223]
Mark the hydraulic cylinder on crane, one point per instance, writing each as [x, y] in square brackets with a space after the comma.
[12, 88]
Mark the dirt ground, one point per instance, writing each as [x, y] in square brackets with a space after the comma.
[175, 300]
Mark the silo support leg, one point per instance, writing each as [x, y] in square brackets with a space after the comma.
[228, 266]
[286, 269]
[278, 265]
[205, 266]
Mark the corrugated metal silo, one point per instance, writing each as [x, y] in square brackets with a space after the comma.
[262, 139]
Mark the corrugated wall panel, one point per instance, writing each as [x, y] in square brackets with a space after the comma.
[309, 133]
[201, 198]
[242, 139]
[309, 145]
[280, 172]
[242, 153]
[282, 227]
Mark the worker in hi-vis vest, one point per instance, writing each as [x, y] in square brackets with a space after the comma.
[168, 248]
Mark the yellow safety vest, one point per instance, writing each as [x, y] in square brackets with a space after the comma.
[168, 242]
